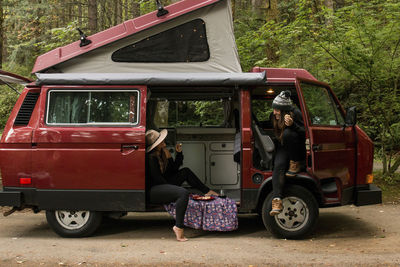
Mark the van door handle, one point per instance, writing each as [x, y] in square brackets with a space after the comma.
[134, 147]
[316, 147]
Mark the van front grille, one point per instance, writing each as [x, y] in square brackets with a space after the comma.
[25, 112]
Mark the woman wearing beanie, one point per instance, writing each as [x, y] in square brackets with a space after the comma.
[289, 131]
[165, 178]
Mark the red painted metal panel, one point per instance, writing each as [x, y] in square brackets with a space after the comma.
[89, 157]
[280, 74]
[16, 146]
[335, 156]
[118, 32]
[365, 154]
[247, 152]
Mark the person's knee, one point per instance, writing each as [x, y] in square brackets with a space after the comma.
[185, 170]
[183, 193]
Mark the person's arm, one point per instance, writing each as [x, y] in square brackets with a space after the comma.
[173, 165]
[298, 124]
[155, 174]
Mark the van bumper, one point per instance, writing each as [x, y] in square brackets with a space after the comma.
[10, 198]
[368, 195]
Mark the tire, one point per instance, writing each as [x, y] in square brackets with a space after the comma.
[74, 223]
[299, 216]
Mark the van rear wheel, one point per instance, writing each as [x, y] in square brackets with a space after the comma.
[73, 223]
[299, 215]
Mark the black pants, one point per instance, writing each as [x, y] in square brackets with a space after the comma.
[173, 192]
[292, 148]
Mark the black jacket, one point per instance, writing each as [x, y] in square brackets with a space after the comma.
[153, 171]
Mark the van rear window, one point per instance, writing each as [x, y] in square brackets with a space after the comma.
[92, 107]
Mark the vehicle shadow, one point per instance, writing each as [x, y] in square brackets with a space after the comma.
[330, 225]
[159, 225]
[340, 225]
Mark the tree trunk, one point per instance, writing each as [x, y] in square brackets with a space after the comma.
[80, 14]
[92, 12]
[329, 4]
[126, 10]
[119, 15]
[115, 12]
[103, 15]
[135, 9]
[1, 33]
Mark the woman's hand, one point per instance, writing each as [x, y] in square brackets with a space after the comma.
[178, 147]
[288, 120]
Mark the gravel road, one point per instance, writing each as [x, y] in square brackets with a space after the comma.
[355, 236]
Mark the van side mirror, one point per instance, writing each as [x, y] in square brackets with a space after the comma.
[351, 116]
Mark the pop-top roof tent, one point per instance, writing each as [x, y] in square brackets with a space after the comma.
[195, 36]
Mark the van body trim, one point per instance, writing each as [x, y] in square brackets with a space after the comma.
[153, 79]
[94, 200]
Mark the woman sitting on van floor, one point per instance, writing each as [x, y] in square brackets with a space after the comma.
[165, 178]
[290, 150]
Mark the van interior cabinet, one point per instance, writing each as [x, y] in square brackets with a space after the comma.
[208, 152]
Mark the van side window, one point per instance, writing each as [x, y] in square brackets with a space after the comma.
[92, 107]
[321, 107]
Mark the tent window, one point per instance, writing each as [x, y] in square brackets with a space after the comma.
[184, 43]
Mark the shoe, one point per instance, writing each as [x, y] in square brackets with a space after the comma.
[277, 207]
[294, 168]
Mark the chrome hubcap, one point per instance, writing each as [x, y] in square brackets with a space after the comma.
[294, 215]
[72, 220]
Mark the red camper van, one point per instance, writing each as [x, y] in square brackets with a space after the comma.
[74, 144]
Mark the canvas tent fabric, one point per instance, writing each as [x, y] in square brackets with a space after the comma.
[219, 37]
[153, 79]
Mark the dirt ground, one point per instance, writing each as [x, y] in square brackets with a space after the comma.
[345, 236]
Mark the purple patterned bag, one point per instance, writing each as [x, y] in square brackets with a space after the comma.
[219, 214]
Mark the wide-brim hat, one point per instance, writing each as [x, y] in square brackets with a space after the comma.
[154, 138]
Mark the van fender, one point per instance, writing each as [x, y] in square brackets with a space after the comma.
[302, 179]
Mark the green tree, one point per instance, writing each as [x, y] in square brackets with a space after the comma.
[354, 47]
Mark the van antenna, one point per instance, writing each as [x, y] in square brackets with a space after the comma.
[161, 11]
[84, 40]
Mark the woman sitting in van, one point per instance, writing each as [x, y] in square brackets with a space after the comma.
[165, 178]
[288, 125]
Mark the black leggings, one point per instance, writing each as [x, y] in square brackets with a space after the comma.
[173, 192]
[293, 148]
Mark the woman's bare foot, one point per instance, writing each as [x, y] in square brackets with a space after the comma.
[179, 234]
[212, 193]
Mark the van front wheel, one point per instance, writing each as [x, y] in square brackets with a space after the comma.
[73, 223]
[299, 215]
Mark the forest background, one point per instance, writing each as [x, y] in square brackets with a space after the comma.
[354, 45]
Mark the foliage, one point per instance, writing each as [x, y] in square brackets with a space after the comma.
[355, 48]
[7, 101]
[195, 113]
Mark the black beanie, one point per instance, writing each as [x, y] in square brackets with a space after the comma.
[283, 101]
